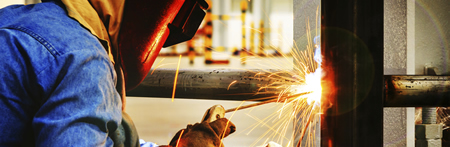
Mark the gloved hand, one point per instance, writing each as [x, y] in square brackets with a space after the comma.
[126, 134]
[203, 134]
[208, 133]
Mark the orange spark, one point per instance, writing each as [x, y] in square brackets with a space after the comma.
[157, 66]
[176, 77]
[228, 122]
[231, 84]
[179, 138]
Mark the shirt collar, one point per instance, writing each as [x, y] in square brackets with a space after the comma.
[101, 17]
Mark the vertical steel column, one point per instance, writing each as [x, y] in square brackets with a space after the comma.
[261, 11]
[221, 17]
[352, 46]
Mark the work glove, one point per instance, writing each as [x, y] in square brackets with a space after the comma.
[126, 134]
[209, 133]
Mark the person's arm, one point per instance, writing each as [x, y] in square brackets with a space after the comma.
[84, 106]
[71, 95]
[79, 103]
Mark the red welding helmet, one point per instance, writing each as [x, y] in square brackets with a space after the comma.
[147, 26]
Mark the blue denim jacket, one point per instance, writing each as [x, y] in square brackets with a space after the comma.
[57, 84]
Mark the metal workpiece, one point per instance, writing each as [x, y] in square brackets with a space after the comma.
[417, 91]
[428, 135]
[352, 50]
[429, 131]
[428, 143]
[218, 84]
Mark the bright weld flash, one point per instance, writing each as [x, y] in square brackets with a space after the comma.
[313, 84]
[313, 80]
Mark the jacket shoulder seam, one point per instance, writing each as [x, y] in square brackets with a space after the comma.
[38, 38]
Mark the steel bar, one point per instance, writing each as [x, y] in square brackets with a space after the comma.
[218, 84]
[352, 49]
[283, 99]
[417, 91]
[251, 105]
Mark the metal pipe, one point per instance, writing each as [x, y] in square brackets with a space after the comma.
[400, 91]
[417, 91]
[224, 84]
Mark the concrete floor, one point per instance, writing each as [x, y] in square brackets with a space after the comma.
[158, 119]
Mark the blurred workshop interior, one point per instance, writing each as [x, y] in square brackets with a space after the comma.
[263, 34]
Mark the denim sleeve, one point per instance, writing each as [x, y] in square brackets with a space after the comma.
[77, 104]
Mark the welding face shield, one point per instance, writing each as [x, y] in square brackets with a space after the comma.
[149, 25]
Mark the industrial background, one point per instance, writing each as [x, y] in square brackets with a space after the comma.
[253, 34]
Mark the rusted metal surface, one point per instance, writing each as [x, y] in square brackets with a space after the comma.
[417, 91]
[224, 84]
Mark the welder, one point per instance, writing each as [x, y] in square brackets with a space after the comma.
[66, 65]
